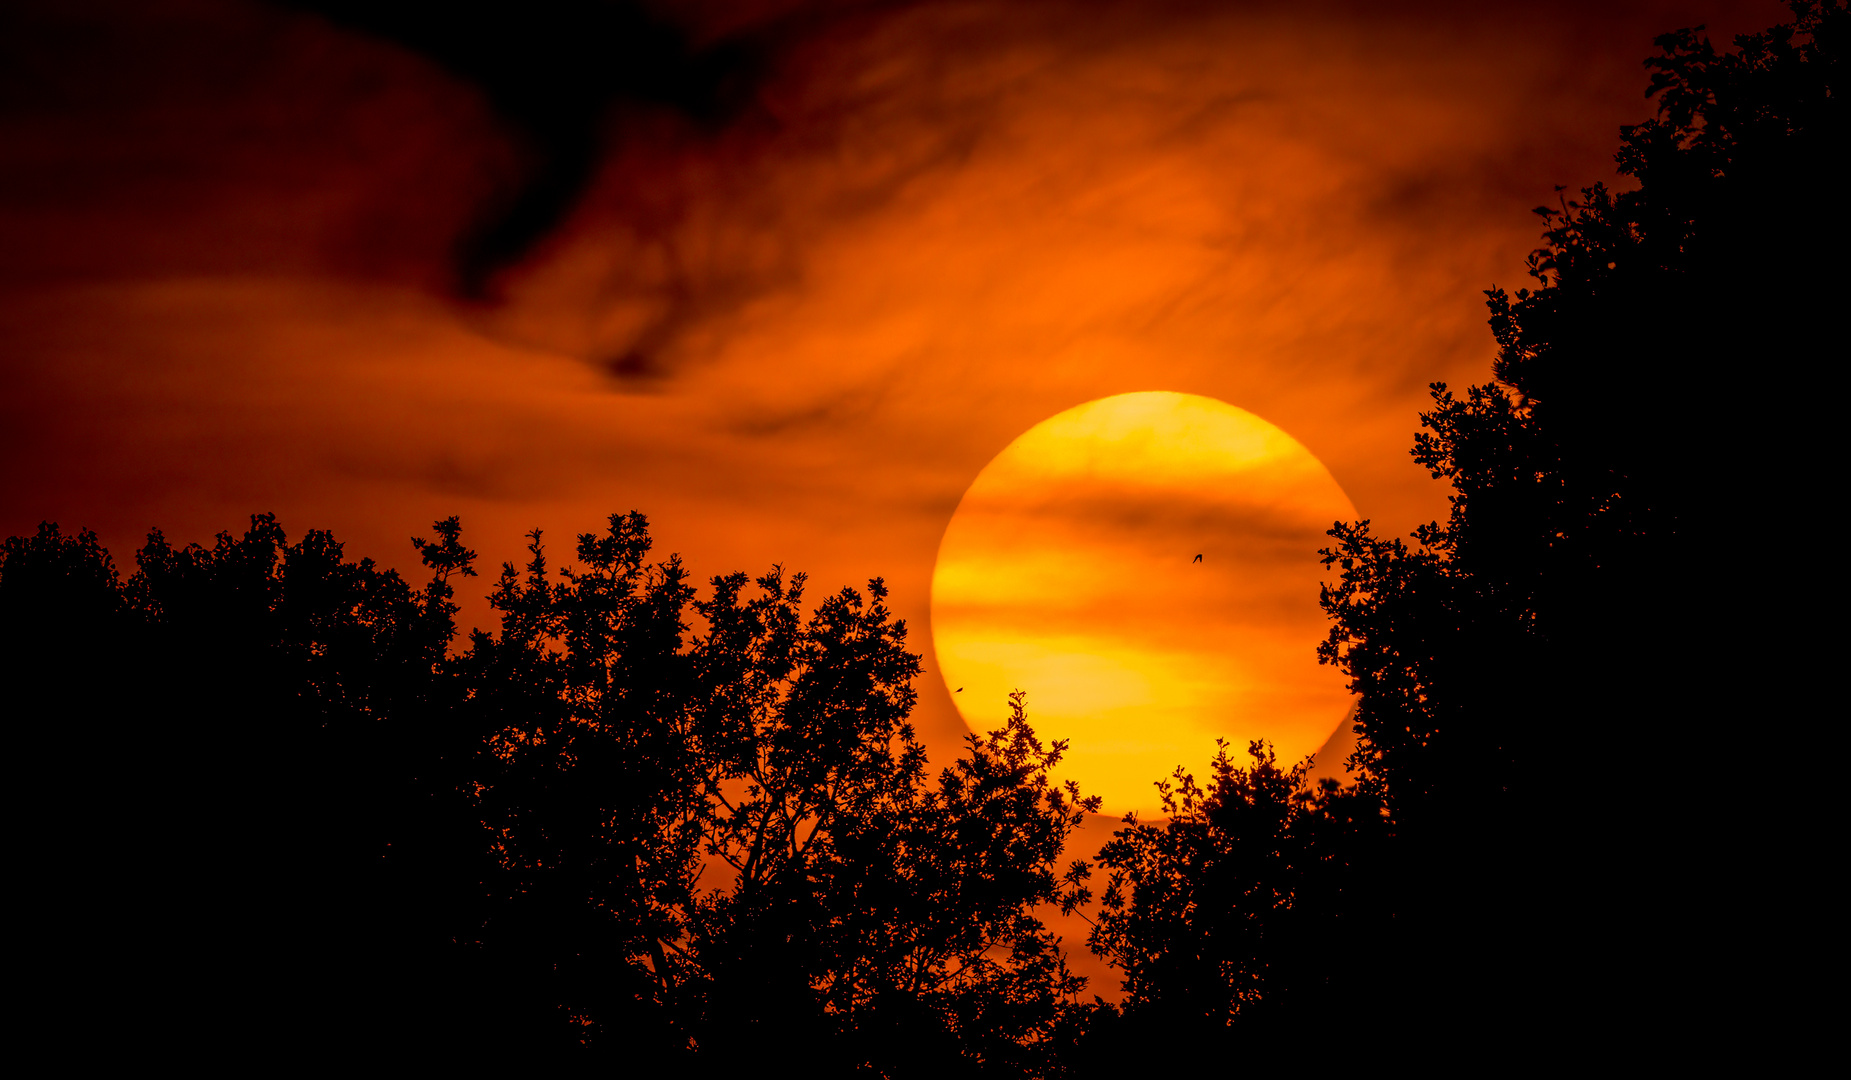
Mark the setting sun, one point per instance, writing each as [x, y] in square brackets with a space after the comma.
[1071, 571]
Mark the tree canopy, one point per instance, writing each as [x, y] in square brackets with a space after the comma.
[633, 820]
[1556, 686]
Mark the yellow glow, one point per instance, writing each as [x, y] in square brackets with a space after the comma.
[1069, 571]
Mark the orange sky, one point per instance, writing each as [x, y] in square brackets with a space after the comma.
[791, 329]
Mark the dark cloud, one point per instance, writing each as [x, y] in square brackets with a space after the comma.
[1189, 516]
[453, 142]
[226, 138]
[554, 71]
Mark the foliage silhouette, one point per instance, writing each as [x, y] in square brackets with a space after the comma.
[1589, 627]
[596, 834]
[741, 822]
[1241, 908]
[254, 811]
[1608, 558]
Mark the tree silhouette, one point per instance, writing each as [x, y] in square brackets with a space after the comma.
[1550, 682]
[244, 749]
[1242, 910]
[1601, 590]
[633, 824]
[726, 842]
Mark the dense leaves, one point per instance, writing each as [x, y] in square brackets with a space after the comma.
[740, 818]
[1609, 580]
[635, 823]
[1605, 617]
[1240, 907]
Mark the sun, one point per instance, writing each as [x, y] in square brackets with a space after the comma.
[1145, 567]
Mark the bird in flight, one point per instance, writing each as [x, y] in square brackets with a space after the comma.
[1198, 558]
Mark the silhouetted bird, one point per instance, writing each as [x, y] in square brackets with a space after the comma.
[959, 690]
[1198, 558]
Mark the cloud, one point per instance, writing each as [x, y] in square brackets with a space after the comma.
[556, 72]
[613, 180]
[786, 282]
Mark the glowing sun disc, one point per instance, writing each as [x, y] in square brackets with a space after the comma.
[1069, 571]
